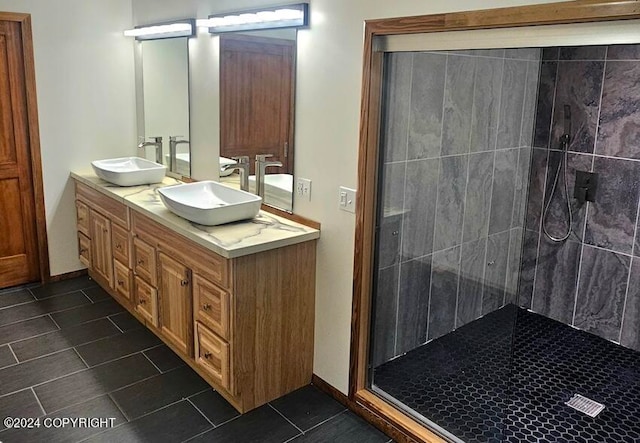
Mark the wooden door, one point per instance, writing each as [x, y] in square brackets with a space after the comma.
[176, 315]
[256, 93]
[19, 248]
[101, 257]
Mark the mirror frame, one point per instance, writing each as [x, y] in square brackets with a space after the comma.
[393, 421]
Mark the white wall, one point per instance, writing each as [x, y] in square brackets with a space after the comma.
[329, 71]
[86, 101]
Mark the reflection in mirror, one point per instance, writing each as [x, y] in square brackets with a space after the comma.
[257, 82]
[165, 79]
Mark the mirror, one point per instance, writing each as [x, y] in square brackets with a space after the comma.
[165, 97]
[257, 91]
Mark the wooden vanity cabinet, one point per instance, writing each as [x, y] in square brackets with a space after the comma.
[175, 299]
[244, 324]
[101, 256]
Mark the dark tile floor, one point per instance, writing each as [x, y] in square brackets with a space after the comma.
[507, 376]
[68, 350]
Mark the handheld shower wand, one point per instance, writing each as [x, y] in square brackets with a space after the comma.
[565, 140]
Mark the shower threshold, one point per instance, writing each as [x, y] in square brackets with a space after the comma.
[507, 377]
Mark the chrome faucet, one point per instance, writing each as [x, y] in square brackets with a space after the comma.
[243, 168]
[173, 151]
[157, 142]
[261, 165]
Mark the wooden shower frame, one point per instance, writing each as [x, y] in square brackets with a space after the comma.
[386, 416]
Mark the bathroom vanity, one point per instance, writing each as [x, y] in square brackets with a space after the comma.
[235, 302]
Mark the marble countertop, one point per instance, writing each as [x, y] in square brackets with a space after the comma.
[264, 232]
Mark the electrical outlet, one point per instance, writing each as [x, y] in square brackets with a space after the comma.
[303, 188]
[347, 199]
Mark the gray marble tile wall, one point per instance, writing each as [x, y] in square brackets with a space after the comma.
[456, 142]
[592, 280]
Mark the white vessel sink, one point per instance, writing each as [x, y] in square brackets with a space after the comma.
[129, 171]
[210, 203]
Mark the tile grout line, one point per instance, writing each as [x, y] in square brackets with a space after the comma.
[626, 294]
[404, 196]
[586, 212]
[415, 160]
[466, 190]
[283, 416]
[80, 356]
[188, 399]
[114, 324]
[80, 370]
[132, 421]
[124, 414]
[345, 410]
[150, 361]
[38, 401]
[209, 430]
[435, 217]
[88, 298]
[43, 314]
[14, 356]
[493, 182]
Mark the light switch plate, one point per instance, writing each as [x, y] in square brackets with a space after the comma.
[347, 199]
[303, 188]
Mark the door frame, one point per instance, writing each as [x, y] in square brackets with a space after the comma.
[33, 137]
[571, 12]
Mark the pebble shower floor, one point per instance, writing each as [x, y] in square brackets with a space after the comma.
[507, 376]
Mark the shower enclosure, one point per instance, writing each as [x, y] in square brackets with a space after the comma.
[505, 280]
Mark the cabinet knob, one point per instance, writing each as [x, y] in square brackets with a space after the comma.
[141, 262]
[207, 355]
[118, 246]
[143, 301]
[80, 219]
[120, 282]
[105, 230]
[184, 282]
[83, 250]
[206, 306]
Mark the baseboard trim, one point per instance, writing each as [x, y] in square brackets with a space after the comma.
[374, 419]
[67, 276]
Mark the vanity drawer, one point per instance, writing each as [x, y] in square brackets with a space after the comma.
[146, 301]
[212, 355]
[82, 212]
[144, 261]
[114, 210]
[211, 306]
[120, 244]
[84, 249]
[123, 279]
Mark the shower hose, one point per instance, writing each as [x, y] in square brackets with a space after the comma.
[564, 140]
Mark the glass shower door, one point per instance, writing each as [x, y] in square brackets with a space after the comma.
[456, 137]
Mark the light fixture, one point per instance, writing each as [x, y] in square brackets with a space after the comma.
[287, 16]
[180, 28]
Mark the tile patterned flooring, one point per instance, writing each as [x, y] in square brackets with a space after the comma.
[68, 350]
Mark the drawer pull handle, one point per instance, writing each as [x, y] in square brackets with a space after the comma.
[105, 230]
[118, 246]
[207, 355]
[120, 282]
[83, 250]
[143, 301]
[184, 282]
[206, 306]
[141, 262]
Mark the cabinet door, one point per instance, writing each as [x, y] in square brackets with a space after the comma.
[176, 314]
[84, 248]
[146, 300]
[101, 258]
[122, 279]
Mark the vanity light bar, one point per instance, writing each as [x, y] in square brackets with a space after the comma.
[288, 16]
[184, 28]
